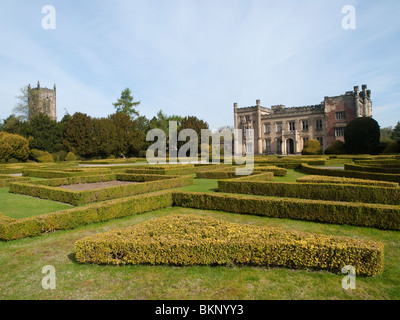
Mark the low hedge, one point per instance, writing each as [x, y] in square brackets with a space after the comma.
[56, 173]
[12, 229]
[194, 240]
[49, 189]
[354, 167]
[170, 170]
[315, 191]
[6, 180]
[339, 180]
[351, 174]
[358, 214]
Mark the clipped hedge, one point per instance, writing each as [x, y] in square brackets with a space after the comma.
[315, 191]
[194, 240]
[354, 167]
[6, 180]
[339, 180]
[358, 214]
[58, 173]
[49, 189]
[170, 170]
[351, 174]
[12, 229]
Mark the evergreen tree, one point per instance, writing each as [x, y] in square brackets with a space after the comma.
[126, 105]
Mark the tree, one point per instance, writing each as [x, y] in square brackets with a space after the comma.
[78, 136]
[395, 135]
[13, 124]
[362, 136]
[105, 137]
[194, 123]
[46, 133]
[392, 147]
[22, 107]
[126, 105]
[386, 134]
[312, 147]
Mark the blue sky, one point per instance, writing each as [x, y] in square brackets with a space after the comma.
[198, 57]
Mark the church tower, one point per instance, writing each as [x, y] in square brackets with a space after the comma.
[42, 100]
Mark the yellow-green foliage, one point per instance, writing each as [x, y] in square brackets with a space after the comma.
[6, 180]
[12, 229]
[48, 189]
[312, 147]
[317, 191]
[164, 169]
[230, 172]
[13, 146]
[41, 156]
[70, 157]
[379, 169]
[339, 180]
[194, 240]
[357, 214]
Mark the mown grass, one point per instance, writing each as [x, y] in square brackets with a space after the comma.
[21, 263]
[19, 206]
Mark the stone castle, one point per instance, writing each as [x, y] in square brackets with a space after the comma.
[281, 130]
[42, 100]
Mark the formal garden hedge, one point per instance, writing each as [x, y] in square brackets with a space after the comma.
[378, 169]
[49, 189]
[5, 180]
[12, 229]
[315, 191]
[357, 214]
[170, 170]
[339, 180]
[351, 174]
[194, 240]
[61, 173]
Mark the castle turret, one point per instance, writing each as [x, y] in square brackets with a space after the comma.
[42, 100]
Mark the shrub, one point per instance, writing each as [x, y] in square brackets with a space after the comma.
[392, 147]
[336, 148]
[195, 240]
[13, 146]
[358, 214]
[312, 147]
[70, 157]
[41, 156]
[362, 136]
[363, 168]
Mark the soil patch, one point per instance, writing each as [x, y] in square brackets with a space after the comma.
[96, 185]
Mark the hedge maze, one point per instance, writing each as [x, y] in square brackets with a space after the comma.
[365, 193]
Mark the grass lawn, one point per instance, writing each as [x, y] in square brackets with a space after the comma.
[21, 263]
[19, 206]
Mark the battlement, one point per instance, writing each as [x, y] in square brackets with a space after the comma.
[42, 100]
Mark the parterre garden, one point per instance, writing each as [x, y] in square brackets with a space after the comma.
[117, 229]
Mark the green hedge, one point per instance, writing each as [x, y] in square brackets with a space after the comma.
[12, 229]
[339, 180]
[49, 190]
[54, 173]
[315, 191]
[354, 167]
[194, 240]
[357, 214]
[351, 174]
[6, 180]
[170, 170]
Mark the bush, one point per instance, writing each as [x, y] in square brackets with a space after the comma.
[339, 180]
[70, 157]
[336, 148]
[363, 168]
[314, 191]
[357, 214]
[13, 146]
[12, 229]
[41, 156]
[362, 136]
[312, 147]
[392, 147]
[194, 240]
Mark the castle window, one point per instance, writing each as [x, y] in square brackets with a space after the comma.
[339, 132]
[268, 146]
[247, 118]
[340, 115]
[304, 141]
[305, 125]
[279, 127]
[292, 126]
[279, 146]
[321, 141]
[319, 124]
[267, 129]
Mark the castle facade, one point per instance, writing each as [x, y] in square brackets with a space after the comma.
[281, 130]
